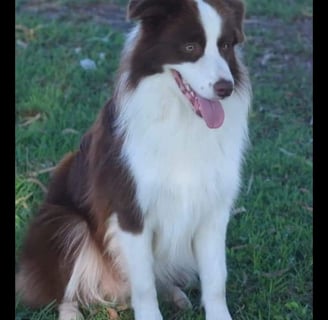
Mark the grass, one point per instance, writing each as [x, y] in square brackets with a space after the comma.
[270, 241]
[287, 9]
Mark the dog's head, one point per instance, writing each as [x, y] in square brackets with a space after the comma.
[195, 41]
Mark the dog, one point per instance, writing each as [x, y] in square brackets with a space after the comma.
[142, 207]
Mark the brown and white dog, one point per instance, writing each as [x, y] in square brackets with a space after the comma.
[143, 206]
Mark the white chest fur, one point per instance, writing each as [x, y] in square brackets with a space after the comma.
[183, 170]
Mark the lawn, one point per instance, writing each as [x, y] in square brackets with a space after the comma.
[270, 234]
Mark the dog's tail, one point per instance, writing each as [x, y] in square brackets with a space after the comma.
[59, 259]
[52, 246]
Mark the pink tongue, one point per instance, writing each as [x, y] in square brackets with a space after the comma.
[211, 111]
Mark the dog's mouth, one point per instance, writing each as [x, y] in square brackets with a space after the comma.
[210, 110]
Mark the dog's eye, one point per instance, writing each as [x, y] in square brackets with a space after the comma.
[225, 46]
[191, 50]
[191, 47]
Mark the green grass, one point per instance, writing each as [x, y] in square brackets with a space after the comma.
[287, 9]
[270, 242]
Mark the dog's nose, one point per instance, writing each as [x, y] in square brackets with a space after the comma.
[223, 88]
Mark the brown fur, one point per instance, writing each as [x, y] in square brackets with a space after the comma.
[167, 25]
[93, 182]
[86, 188]
[179, 23]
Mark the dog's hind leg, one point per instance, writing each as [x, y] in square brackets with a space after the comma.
[177, 296]
[180, 299]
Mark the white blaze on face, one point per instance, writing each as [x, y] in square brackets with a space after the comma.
[212, 24]
[211, 67]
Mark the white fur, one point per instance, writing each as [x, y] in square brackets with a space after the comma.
[211, 67]
[187, 177]
[69, 311]
[138, 253]
[91, 279]
[84, 282]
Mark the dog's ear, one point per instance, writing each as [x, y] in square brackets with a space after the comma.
[143, 9]
[238, 9]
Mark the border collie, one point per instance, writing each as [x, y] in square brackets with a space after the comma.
[143, 206]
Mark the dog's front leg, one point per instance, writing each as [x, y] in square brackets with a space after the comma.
[137, 251]
[210, 255]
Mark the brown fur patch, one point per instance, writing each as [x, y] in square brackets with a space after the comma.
[232, 12]
[167, 26]
[86, 188]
